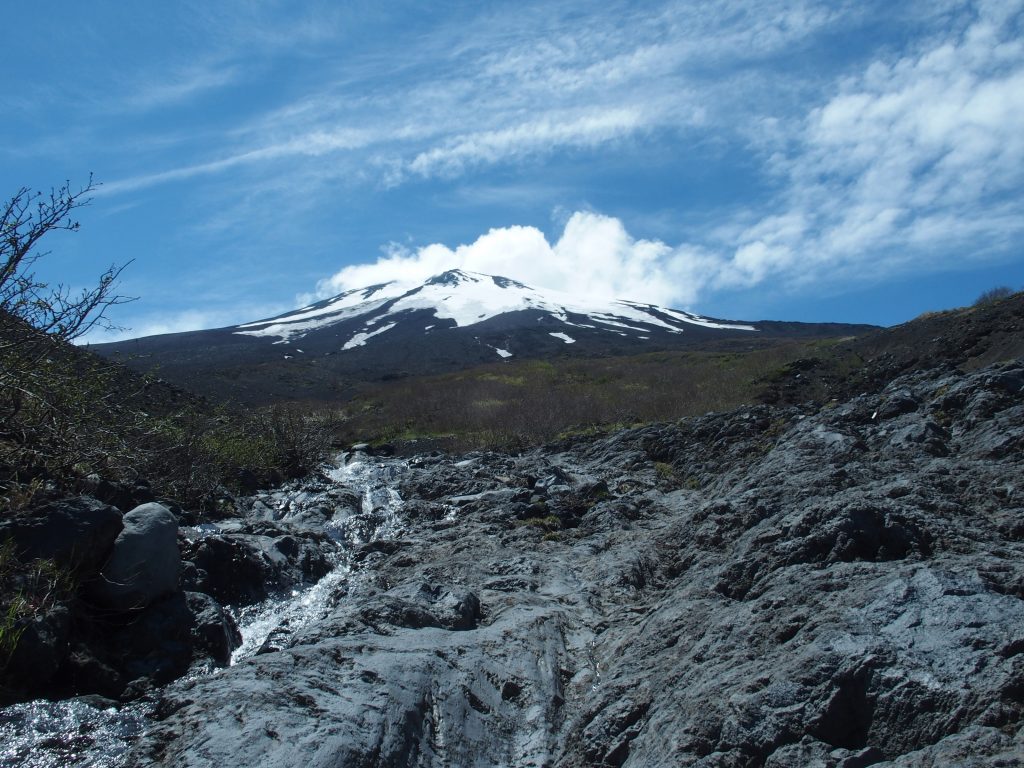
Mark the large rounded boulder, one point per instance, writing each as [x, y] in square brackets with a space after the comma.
[145, 562]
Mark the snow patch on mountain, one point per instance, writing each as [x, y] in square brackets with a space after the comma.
[289, 326]
[468, 298]
[361, 338]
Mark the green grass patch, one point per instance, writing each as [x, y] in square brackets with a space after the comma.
[27, 589]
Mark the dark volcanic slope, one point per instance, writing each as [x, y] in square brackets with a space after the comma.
[454, 321]
[965, 338]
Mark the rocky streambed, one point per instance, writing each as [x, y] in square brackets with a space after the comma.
[780, 586]
[239, 586]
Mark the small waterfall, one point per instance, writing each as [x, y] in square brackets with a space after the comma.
[378, 518]
[83, 732]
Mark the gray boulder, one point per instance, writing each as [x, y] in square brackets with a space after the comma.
[145, 562]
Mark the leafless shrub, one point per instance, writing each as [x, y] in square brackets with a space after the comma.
[992, 295]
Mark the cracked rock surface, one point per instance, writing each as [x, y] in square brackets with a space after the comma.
[778, 586]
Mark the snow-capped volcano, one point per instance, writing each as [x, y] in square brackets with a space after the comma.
[458, 299]
[453, 321]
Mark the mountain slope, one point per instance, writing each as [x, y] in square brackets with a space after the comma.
[966, 338]
[453, 321]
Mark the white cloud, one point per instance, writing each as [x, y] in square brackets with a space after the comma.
[151, 324]
[595, 256]
[534, 137]
[913, 163]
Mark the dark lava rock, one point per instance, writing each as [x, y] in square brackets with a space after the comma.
[247, 565]
[231, 569]
[41, 649]
[78, 532]
[126, 655]
[416, 606]
[214, 632]
[121, 495]
[772, 586]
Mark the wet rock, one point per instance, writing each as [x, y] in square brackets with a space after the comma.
[42, 646]
[157, 645]
[145, 561]
[247, 562]
[811, 588]
[452, 608]
[305, 557]
[230, 569]
[214, 632]
[125, 656]
[84, 670]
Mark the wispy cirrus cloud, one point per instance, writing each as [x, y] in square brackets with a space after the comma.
[171, 89]
[911, 163]
[730, 145]
[536, 137]
[313, 144]
[500, 90]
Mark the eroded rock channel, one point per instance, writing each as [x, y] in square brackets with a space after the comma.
[773, 586]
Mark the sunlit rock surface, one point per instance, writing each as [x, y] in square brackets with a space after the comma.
[765, 587]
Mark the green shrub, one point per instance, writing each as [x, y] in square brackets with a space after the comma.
[26, 591]
[665, 471]
[548, 524]
[992, 295]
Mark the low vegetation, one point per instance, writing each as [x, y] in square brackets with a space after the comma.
[26, 590]
[77, 416]
[514, 404]
[66, 415]
[993, 295]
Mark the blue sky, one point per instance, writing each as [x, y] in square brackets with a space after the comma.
[859, 161]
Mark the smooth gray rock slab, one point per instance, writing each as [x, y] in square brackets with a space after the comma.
[145, 561]
[816, 588]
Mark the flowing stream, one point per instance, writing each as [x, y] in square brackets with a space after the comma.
[94, 733]
[377, 518]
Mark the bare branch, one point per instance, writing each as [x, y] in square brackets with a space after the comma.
[53, 310]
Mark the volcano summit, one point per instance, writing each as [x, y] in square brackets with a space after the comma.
[452, 321]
